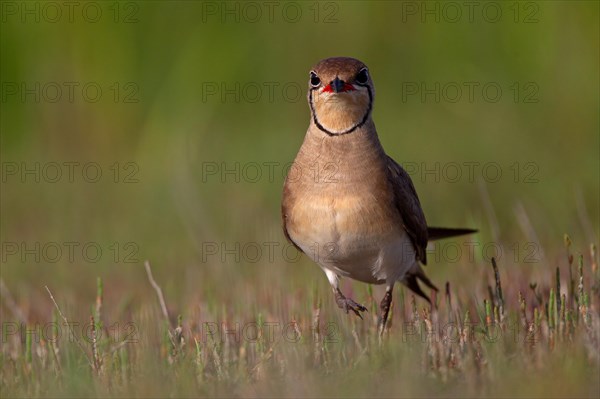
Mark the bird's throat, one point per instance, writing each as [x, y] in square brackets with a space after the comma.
[342, 113]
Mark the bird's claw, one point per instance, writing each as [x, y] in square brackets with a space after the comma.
[348, 304]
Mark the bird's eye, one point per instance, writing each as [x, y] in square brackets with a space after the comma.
[362, 77]
[314, 80]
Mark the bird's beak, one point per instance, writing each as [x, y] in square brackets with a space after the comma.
[338, 86]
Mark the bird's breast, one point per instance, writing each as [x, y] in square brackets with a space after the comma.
[339, 207]
[350, 230]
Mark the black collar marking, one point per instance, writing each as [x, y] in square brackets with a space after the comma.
[321, 127]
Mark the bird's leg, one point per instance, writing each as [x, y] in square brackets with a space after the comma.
[343, 303]
[348, 303]
[384, 306]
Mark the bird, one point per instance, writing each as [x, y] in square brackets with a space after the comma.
[347, 204]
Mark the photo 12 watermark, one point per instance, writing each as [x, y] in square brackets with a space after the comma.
[527, 172]
[251, 92]
[470, 92]
[252, 12]
[452, 12]
[236, 252]
[54, 12]
[50, 252]
[470, 251]
[267, 332]
[69, 172]
[269, 171]
[69, 92]
[117, 332]
[462, 333]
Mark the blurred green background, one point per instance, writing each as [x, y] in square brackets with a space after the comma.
[163, 117]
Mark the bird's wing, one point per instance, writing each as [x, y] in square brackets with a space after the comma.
[407, 203]
[286, 196]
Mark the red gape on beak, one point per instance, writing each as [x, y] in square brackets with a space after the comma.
[338, 86]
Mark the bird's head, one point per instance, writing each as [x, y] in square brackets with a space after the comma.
[340, 95]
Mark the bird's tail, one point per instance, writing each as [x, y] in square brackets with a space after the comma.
[438, 233]
[412, 278]
[417, 274]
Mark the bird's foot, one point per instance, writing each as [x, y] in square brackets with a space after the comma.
[348, 304]
[385, 305]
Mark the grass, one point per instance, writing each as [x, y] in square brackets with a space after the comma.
[514, 338]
